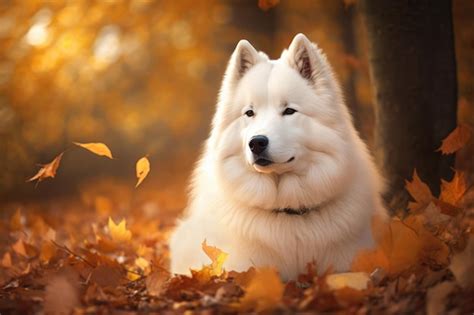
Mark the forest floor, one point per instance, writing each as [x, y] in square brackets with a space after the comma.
[106, 252]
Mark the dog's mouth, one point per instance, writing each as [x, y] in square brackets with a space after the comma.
[266, 162]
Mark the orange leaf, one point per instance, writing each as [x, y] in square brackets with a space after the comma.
[353, 280]
[419, 191]
[452, 192]
[19, 248]
[47, 170]
[48, 250]
[96, 148]
[119, 231]
[142, 169]
[6, 260]
[264, 291]
[156, 282]
[455, 140]
[217, 256]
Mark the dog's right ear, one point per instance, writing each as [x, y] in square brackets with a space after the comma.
[243, 58]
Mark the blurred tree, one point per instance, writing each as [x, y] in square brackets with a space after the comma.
[412, 64]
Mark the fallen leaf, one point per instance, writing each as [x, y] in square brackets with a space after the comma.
[353, 280]
[119, 232]
[453, 191]
[217, 256]
[455, 140]
[264, 291]
[106, 276]
[47, 170]
[6, 260]
[19, 248]
[17, 221]
[48, 250]
[419, 191]
[156, 282]
[96, 148]
[462, 265]
[142, 169]
[142, 263]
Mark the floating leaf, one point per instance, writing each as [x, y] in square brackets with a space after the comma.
[217, 256]
[119, 232]
[353, 280]
[96, 148]
[47, 170]
[452, 192]
[455, 140]
[419, 191]
[142, 169]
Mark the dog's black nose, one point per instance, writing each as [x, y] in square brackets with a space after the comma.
[258, 144]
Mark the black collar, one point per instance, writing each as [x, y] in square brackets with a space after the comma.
[291, 211]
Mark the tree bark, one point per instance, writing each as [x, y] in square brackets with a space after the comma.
[413, 69]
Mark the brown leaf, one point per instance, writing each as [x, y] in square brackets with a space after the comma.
[96, 148]
[48, 250]
[436, 297]
[155, 282]
[142, 169]
[455, 140]
[453, 191]
[419, 191]
[106, 276]
[47, 170]
[264, 291]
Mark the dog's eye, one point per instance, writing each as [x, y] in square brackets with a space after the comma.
[289, 111]
[249, 113]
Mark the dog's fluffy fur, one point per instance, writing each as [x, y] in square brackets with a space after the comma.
[234, 202]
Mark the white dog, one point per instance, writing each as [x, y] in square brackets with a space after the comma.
[285, 179]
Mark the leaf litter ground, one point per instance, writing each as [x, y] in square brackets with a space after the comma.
[107, 252]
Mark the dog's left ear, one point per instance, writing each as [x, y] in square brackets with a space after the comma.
[306, 58]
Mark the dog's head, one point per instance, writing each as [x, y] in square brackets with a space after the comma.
[280, 126]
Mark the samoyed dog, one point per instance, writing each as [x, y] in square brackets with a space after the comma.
[284, 179]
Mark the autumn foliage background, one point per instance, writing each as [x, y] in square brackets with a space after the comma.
[142, 77]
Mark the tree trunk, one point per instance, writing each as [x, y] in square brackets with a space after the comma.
[413, 69]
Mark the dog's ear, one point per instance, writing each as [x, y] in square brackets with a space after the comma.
[243, 58]
[306, 58]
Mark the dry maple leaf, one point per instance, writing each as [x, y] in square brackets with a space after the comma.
[47, 170]
[96, 148]
[217, 256]
[156, 282]
[452, 192]
[420, 192]
[455, 140]
[119, 232]
[353, 280]
[142, 169]
[264, 291]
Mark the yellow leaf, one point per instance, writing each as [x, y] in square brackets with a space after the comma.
[263, 292]
[142, 169]
[217, 257]
[96, 148]
[6, 260]
[142, 263]
[419, 191]
[452, 192]
[47, 170]
[353, 280]
[119, 231]
[455, 140]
